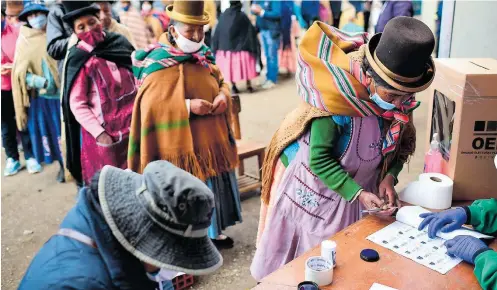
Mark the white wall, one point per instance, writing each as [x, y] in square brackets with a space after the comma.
[428, 12]
[474, 29]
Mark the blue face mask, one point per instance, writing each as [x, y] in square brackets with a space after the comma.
[38, 22]
[380, 102]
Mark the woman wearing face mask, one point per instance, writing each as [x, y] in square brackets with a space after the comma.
[10, 34]
[156, 20]
[342, 149]
[98, 94]
[182, 112]
[35, 87]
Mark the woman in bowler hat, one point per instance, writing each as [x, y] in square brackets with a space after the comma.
[342, 149]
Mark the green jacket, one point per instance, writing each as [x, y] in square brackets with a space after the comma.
[325, 135]
[482, 215]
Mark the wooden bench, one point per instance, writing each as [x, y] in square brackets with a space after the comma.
[246, 149]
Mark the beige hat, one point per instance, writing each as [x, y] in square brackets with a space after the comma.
[189, 12]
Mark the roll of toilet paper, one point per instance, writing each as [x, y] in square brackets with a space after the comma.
[319, 270]
[432, 190]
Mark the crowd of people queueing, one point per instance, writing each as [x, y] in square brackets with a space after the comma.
[33, 79]
[235, 44]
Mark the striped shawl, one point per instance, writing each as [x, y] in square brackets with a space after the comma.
[330, 82]
[162, 129]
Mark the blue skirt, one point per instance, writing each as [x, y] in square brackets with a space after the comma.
[45, 129]
[228, 210]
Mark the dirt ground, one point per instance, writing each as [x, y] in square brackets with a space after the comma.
[34, 205]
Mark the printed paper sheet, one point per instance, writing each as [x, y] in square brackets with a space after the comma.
[415, 245]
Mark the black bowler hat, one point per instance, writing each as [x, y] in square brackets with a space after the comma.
[401, 55]
[75, 9]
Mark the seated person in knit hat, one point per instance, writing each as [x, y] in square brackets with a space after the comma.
[124, 227]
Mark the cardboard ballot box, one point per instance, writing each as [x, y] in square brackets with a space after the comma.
[463, 110]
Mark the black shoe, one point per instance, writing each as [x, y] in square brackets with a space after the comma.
[250, 89]
[61, 176]
[227, 243]
[235, 90]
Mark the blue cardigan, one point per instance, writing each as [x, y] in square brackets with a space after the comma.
[270, 20]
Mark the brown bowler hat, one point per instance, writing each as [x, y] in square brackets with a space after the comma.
[189, 12]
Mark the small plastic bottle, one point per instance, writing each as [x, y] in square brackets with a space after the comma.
[433, 158]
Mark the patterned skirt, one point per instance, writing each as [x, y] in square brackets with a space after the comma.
[45, 129]
[228, 210]
[236, 66]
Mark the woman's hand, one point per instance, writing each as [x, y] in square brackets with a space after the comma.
[200, 107]
[370, 201]
[6, 70]
[105, 139]
[220, 104]
[388, 193]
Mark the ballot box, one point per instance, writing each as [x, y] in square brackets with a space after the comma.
[463, 114]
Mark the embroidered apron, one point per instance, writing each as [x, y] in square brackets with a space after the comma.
[117, 94]
[306, 211]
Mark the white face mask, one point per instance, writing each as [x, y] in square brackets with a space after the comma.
[187, 45]
[146, 7]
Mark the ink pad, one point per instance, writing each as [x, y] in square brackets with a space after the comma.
[370, 255]
[307, 285]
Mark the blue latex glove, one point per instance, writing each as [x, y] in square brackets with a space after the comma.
[466, 248]
[445, 221]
